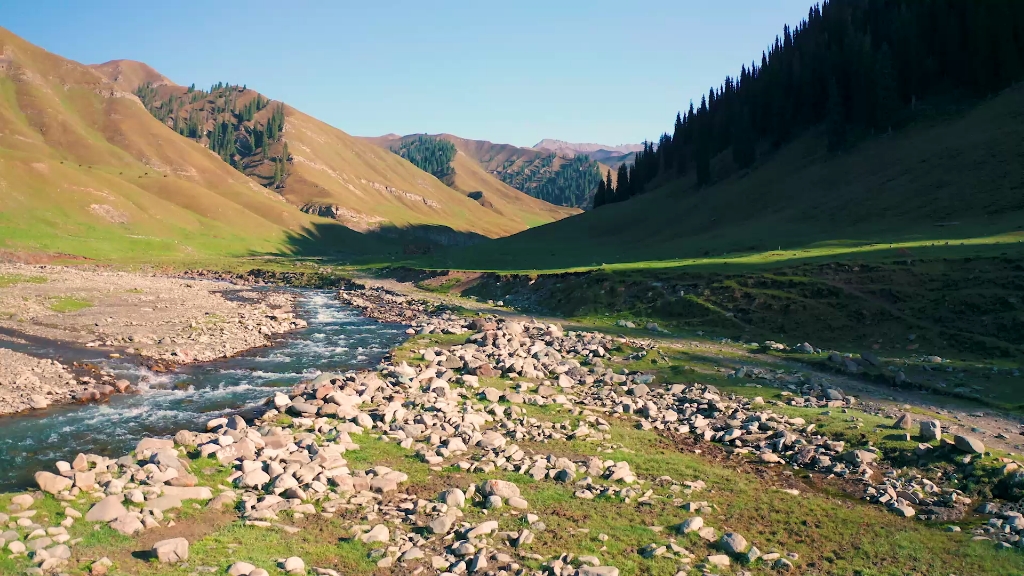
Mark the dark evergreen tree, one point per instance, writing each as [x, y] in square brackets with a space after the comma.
[835, 124]
[599, 196]
[622, 183]
[744, 150]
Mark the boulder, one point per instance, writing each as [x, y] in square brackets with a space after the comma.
[171, 551]
[294, 565]
[930, 430]
[691, 525]
[732, 543]
[106, 510]
[968, 444]
[51, 483]
[500, 488]
[903, 422]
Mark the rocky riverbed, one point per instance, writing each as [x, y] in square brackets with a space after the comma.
[157, 321]
[472, 409]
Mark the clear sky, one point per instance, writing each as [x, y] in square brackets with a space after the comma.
[513, 72]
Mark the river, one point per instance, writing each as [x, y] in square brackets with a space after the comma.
[338, 338]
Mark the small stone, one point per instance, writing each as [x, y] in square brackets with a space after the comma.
[720, 560]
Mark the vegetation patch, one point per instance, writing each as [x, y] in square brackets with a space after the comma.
[68, 304]
[7, 280]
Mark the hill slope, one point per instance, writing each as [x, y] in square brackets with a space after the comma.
[539, 173]
[948, 178]
[84, 169]
[325, 171]
[486, 189]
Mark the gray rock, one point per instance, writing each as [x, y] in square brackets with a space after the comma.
[106, 510]
[732, 543]
[904, 422]
[691, 525]
[240, 569]
[440, 525]
[930, 430]
[51, 483]
[501, 488]
[969, 444]
[171, 551]
[294, 565]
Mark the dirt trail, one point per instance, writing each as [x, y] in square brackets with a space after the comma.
[958, 415]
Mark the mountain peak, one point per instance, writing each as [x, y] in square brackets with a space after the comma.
[573, 148]
[128, 75]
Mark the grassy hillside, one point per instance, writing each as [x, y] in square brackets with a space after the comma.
[84, 169]
[332, 174]
[951, 178]
[525, 169]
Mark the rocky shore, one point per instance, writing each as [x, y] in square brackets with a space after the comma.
[471, 408]
[155, 321]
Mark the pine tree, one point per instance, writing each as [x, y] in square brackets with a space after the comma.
[744, 150]
[886, 98]
[835, 123]
[599, 196]
[702, 146]
[609, 188]
[622, 183]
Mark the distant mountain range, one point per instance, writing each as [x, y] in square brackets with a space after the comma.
[563, 147]
[610, 156]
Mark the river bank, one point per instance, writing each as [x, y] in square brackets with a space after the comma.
[153, 321]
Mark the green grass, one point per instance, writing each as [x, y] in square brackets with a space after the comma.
[7, 280]
[69, 304]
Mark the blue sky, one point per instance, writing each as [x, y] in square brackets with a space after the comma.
[515, 72]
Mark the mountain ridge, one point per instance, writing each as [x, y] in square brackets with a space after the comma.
[564, 147]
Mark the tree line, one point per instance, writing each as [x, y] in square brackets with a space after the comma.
[857, 67]
[571, 184]
[432, 155]
[231, 129]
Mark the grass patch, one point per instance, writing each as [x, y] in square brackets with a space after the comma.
[7, 280]
[68, 304]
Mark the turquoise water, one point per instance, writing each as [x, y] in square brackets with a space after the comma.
[338, 338]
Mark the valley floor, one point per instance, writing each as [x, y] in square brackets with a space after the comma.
[500, 444]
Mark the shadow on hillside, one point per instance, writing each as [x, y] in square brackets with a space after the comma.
[337, 243]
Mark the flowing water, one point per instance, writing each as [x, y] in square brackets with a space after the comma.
[338, 338]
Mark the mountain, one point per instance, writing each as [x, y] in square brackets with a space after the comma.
[326, 172]
[127, 75]
[86, 169]
[557, 179]
[470, 178]
[941, 181]
[570, 148]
